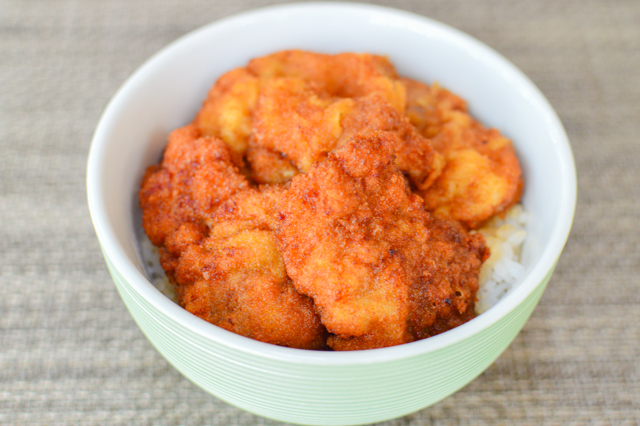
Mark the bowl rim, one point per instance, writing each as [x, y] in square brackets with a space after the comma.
[139, 282]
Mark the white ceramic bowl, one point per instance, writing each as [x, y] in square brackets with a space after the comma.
[312, 387]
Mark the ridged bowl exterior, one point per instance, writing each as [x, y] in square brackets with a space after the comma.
[324, 395]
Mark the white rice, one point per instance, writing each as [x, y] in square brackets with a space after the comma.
[157, 276]
[503, 268]
[498, 274]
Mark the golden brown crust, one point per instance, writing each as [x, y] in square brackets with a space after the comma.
[228, 111]
[296, 123]
[481, 175]
[196, 175]
[345, 75]
[338, 252]
[333, 239]
[300, 125]
[360, 244]
[236, 279]
[218, 247]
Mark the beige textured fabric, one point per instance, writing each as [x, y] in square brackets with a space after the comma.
[69, 351]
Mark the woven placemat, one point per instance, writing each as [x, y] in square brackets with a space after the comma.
[69, 351]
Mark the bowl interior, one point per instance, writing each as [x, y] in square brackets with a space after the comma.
[167, 91]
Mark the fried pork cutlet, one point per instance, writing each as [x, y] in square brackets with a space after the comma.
[218, 247]
[295, 126]
[337, 251]
[235, 277]
[227, 111]
[196, 175]
[481, 175]
[361, 245]
[345, 75]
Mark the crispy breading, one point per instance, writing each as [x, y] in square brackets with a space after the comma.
[360, 244]
[481, 176]
[428, 107]
[227, 111]
[235, 277]
[218, 247]
[447, 266]
[268, 166]
[345, 75]
[297, 124]
[194, 178]
[361, 240]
